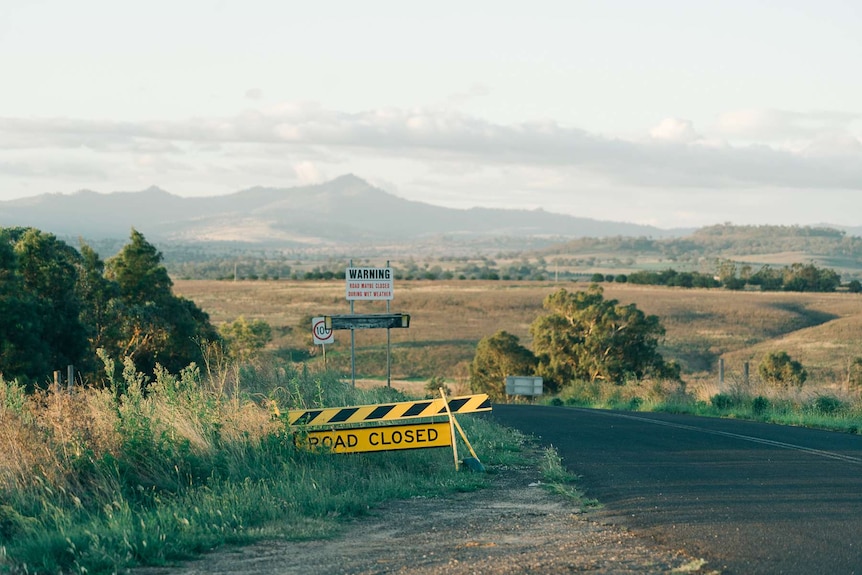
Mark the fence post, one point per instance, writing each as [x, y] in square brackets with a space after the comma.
[71, 375]
[721, 371]
[57, 381]
[745, 373]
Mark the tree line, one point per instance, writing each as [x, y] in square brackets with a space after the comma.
[796, 277]
[60, 306]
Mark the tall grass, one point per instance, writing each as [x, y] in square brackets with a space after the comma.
[99, 481]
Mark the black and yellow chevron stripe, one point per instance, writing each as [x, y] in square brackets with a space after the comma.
[388, 411]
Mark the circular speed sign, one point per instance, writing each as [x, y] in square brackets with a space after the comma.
[320, 333]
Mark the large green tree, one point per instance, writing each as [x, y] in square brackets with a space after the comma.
[497, 357]
[23, 353]
[157, 326]
[48, 268]
[588, 337]
[40, 307]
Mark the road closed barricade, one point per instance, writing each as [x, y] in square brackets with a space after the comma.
[382, 427]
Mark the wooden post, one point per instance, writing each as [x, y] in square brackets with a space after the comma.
[721, 371]
[70, 382]
[451, 427]
[745, 373]
[57, 381]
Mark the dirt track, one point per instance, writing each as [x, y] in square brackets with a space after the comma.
[514, 526]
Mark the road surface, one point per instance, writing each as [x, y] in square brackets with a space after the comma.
[748, 497]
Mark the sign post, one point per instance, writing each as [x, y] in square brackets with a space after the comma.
[369, 284]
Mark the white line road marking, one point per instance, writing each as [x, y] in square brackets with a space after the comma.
[781, 444]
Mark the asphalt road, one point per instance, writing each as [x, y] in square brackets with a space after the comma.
[747, 497]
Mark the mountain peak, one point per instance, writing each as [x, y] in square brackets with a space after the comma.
[351, 179]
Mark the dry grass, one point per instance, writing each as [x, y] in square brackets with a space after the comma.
[448, 318]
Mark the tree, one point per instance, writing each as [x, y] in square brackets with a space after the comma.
[48, 267]
[245, 339]
[779, 370]
[101, 303]
[139, 272]
[156, 327]
[588, 337]
[807, 278]
[497, 357]
[23, 352]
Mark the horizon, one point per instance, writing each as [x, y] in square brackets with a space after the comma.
[671, 114]
[154, 187]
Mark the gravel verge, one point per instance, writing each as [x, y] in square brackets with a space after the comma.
[515, 525]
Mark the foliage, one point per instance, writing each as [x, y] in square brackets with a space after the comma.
[58, 306]
[674, 278]
[759, 405]
[829, 404]
[588, 337]
[497, 357]
[778, 369]
[245, 339]
[157, 326]
[40, 306]
[100, 482]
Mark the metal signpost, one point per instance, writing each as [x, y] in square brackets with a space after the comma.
[369, 284]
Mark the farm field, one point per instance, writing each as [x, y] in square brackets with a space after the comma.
[448, 318]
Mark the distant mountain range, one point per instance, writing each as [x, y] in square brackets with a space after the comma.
[344, 211]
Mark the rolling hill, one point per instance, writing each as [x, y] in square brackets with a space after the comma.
[344, 211]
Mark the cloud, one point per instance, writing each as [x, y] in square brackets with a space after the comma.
[675, 130]
[254, 93]
[443, 139]
[778, 125]
[307, 173]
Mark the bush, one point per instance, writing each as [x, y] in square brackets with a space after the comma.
[828, 405]
[779, 370]
[722, 401]
[759, 405]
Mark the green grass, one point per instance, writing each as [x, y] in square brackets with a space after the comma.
[814, 409]
[99, 483]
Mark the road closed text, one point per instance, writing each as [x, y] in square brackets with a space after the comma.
[357, 440]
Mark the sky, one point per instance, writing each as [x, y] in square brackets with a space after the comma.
[664, 112]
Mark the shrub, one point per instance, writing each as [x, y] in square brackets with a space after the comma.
[828, 405]
[722, 401]
[759, 405]
[779, 370]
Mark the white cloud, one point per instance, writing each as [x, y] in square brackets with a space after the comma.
[777, 125]
[308, 173]
[438, 154]
[675, 130]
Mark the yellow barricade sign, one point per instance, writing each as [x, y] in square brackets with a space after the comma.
[388, 411]
[364, 439]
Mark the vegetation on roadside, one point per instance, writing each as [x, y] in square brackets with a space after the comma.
[758, 400]
[583, 336]
[59, 306]
[96, 482]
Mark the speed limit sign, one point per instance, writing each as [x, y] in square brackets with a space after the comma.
[320, 333]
